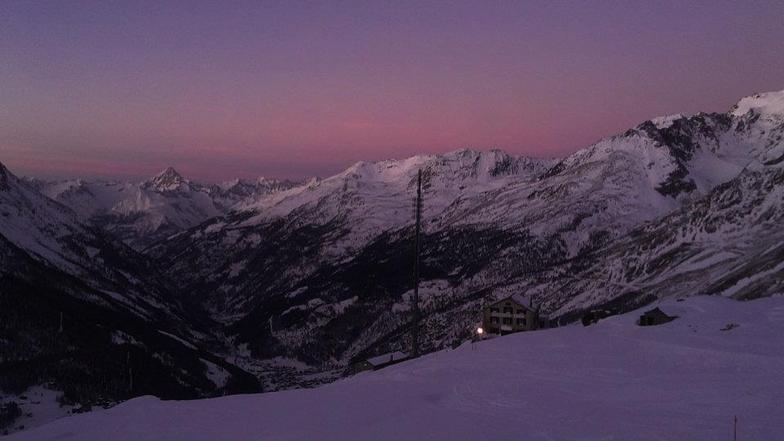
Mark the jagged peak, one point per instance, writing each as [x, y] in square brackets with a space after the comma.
[169, 172]
[763, 103]
[167, 180]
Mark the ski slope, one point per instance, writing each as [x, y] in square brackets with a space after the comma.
[684, 380]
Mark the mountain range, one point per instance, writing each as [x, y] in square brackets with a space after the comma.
[240, 276]
[143, 213]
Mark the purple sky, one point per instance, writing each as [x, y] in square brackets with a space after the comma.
[292, 89]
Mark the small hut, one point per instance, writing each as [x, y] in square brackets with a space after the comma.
[378, 362]
[654, 317]
[594, 315]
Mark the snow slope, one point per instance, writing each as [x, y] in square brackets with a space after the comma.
[684, 380]
[728, 243]
[377, 196]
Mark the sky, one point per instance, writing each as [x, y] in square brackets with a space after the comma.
[295, 89]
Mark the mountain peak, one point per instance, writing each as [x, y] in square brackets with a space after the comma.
[169, 172]
[763, 103]
[167, 180]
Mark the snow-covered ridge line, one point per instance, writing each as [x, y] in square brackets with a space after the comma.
[169, 203]
[486, 163]
[143, 213]
[768, 103]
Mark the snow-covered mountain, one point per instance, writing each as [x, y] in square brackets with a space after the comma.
[337, 216]
[329, 261]
[143, 213]
[320, 272]
[52, 235]
[82, 312]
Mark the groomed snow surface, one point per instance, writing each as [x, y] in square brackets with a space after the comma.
[684, 380]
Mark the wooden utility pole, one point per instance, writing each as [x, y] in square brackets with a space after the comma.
[417, 246]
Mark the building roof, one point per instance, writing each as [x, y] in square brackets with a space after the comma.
[387, 358]
[656, 311]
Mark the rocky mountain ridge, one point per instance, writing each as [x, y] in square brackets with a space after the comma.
[320, 272]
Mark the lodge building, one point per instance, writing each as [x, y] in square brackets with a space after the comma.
[510, 314]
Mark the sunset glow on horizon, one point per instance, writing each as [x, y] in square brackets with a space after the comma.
[295, 89]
